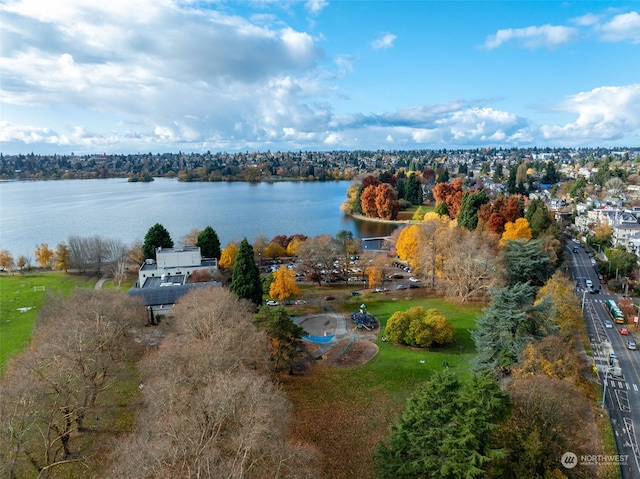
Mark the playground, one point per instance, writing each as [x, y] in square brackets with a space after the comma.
[339, 340]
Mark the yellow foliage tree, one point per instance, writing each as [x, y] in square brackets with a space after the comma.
[292, 247]
[568, 315]
[284, 284]
[44, 255]
[228, 256]
[274, 250]
[519, 229]
[407, 246]
[63, 258]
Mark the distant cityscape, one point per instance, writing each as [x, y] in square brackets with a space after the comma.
[302, 165]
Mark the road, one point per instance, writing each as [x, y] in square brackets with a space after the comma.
[622, 392]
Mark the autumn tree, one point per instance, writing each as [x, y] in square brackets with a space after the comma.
[417, 327]
[228, 256]
[567, 314]
[44, 255]
[274, 250]
[284, 284]
[6, 260]
[246, 282]
[517, 230]
[450, 194]
[285, 336]
[157, 237]
[317, 255]
[435, 232]
[376, 269]
[447, 430]
[368, 202]
[209, 243]
[62, 260]
[408, 245]
[549, 417]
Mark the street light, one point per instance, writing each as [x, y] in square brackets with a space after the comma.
[583, 296]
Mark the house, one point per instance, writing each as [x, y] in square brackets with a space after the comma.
[161, 282]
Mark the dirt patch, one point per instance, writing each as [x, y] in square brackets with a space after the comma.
[349, 353]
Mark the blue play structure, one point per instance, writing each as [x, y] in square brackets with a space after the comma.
[363, 319]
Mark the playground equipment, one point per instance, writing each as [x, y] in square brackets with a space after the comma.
[363, 319]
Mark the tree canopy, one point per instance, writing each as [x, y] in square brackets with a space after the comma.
[246, 283]
[209, 243]
[156, 237]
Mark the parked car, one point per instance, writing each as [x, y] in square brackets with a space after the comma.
[271, 302]
[631, 344]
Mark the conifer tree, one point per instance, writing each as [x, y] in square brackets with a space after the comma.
[156, 237]
[209, 243]
[246, 282]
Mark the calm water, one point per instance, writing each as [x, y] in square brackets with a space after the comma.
[49, 212]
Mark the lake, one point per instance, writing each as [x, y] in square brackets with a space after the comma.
[35, 212]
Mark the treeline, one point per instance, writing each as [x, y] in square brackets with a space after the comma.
[82, 401]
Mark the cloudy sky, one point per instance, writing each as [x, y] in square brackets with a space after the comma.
[127, 76]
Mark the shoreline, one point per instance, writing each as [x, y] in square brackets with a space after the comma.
[380, 220]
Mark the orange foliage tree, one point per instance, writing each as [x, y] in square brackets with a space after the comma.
[228, 256]
[450, 194]
[387, 204]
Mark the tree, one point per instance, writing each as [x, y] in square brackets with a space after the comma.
[539, 217]
[284, 284]
[413, 190]
[446, 430]
[209, 243]
[433, 250]
[368, 201]
[246, 282]
[222, 414]
[63, 258]
[451, 195]
[408, 245]
[6, 260]
[508, 324]
[566, 305]
[516, 231]
[471, 203]
[468, 267]
[275, 250]
[549, 417]
[621, 261]
[191, 238]
[417, 327]
[526, 261]
[386, 202]
[285, 335]
[317, 255]
[44, 255]
[228, 256]
[157, 237]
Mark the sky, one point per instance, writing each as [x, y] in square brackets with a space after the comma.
[139, 76]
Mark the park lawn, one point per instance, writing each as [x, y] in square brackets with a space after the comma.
[345, 412]
[28, 291]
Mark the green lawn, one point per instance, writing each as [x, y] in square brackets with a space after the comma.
[21, 296]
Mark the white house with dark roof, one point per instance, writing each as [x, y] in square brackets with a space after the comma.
[163, 280]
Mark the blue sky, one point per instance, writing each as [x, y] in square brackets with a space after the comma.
[129, 76]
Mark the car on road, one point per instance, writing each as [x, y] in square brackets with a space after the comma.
[631, 344]
[589, 283]
[272, 303]
[624, 331]
[414, 280]
[608, 324]
[401, 286]
[329, 298]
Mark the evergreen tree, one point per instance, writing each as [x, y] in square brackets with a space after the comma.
[413, 190]
[209, 243]
[471, 203]
[443, 175]
[508, 324]
[246, 282]
[446, 430]
[286, 336]
[525, 261]
[156, 237]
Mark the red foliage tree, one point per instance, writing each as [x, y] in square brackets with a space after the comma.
[368, 202]
[369, 181]
[386, 202]
[450, 194]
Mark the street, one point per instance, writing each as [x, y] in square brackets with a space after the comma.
[619, 373]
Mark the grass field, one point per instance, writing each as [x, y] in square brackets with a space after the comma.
[21, 296]
[344, 412]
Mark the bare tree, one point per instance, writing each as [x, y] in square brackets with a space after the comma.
[317, 256]
[217, 413]
[470, 266]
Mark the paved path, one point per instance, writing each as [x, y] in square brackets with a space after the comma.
[101, 282]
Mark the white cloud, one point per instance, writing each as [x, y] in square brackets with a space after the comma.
[604, 114]
[624, 27]
[384, 41]
[316, 6]
[548, 36]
